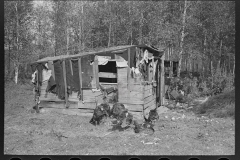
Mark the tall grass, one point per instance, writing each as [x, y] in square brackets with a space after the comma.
[222, 105]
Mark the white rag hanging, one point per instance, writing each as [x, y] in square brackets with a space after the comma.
[103, 60]
[145, 56]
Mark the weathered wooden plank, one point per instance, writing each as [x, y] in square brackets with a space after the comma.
[107, 75]
[65, 82]
[150, 104]
[133, 107]
[162, 93]
[148, 93]
[131, 94]
[71, 66]
[96, 71]
[147, 87]
[147, 109]
[90, 93]
[53, 72]
[50, 99]
[74, 95]
[129, 100]
[80, 77]
[132, 87]
[149, 98]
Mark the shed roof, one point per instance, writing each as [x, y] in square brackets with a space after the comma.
[105, 50]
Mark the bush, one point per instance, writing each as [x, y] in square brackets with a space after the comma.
[222, 105]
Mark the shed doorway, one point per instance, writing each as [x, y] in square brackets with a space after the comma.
[108, 72]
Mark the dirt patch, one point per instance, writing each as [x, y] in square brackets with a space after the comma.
[51, 133]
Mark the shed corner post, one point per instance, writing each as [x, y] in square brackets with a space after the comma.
[162, 98]
[65, 84]
[96, 70]
[128, 70]
[80, 77]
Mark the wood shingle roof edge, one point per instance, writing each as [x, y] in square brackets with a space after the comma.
[101, 51]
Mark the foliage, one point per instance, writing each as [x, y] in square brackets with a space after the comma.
[53, 28]
[222, 105]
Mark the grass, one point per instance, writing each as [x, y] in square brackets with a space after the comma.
[51, 133]
[222, 105]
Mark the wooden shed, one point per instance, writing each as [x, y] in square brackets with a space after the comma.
[130, 74]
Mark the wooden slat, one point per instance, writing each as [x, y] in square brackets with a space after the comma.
[148, 99]
[132, 87]
[134, 107]
[151, 104]
[96, 71]
[90, 93]
[107, 75]
[53, 72]
[130, 94]
[162, 80]
[148, 93]
[65, 82]
[80, 77]
[71, 66]
[128, 68]
[130, 100]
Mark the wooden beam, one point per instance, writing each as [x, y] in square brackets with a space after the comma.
[96, 71]
[162, 92]
[53, 72]
[128, 71]
[65, 83]
[70, 62]
[80, 77]
[107, 75]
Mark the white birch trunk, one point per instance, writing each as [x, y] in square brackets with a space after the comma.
[182, 39]
[15, 72]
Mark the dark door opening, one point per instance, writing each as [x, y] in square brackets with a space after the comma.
[108, 73]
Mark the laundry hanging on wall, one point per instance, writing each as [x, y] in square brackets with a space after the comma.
[60, 87]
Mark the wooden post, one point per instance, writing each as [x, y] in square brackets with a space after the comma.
[65, 83]
[70, 62]
[171, 68]
[80, 77]
[128, 71]
[36, 93]
[53, 72]
[96, 71]
[162, 91]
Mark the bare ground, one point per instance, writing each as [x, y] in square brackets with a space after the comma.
[51, 133]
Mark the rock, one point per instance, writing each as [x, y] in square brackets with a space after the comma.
[162, 109]
[166, 116]
[173, 118]
[178, 105]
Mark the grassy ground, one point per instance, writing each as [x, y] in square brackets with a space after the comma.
[178, 132]
[222, 105]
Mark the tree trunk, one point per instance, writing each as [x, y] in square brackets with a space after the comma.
[17, 36]
[204, 52]
[109, 33]
[220, 53]
[9, 57]
[212, 71]
[67, 37]
[140, 31]
[131, 28]
[82, 29]
[233, 65]
[182, 39]
[16, 67]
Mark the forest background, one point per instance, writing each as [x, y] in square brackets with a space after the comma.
[201, 34]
